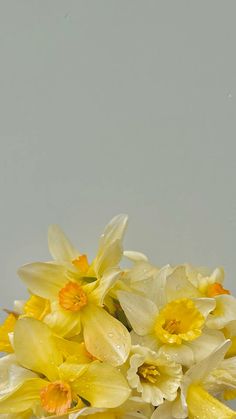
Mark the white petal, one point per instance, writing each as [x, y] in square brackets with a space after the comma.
[181, 354]
[108, 279]
[178, 286]
[140, 311]
[224, 313]
[203, 368]
[206, 343]
[205, 305]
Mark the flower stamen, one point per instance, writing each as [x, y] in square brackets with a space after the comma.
[72, 297]
[56, 397]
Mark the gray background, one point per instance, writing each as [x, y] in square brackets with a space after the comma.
[118, 106]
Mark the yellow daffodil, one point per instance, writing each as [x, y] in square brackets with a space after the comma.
[59, 387]
[153, 375]
[109, 251]
[76, 304]
[174, 320]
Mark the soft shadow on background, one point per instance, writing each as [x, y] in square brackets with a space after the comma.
[118, 106]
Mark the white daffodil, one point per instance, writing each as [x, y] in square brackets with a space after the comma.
[195, 401]
[173, 319]
[153, 375]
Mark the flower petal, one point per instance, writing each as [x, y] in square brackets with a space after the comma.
[60, 246]
[225, 312]
[102, 385]
[108, 258]
[206, 343]
[35, 348]
[135, 256]
[23, 397]
[178, 286]
[140, 311]
[105, 337]
[180, 354]
[43, 279]
[202, 405]
[205, 305]
[114, 230]
[65, 323]
[202, 369]
[108, 279]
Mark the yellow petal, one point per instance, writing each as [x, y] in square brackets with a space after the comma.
[202, 405]
[65, 323]
[114, 230]
[102, 385]
[108, 279]
[60, 246]
[35, 347]
[5, 328]
[23, 397]
[44, 279]
[105, 337]
[108, 257]
[36, 307]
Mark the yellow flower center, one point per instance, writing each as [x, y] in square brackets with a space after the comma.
[149, 373]
[216, 289]
[81, 263]
[179, 320]
[72, 297]
[56, 397]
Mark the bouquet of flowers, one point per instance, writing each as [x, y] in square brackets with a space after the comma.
[101, 341]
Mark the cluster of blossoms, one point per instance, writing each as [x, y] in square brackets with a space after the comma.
[104, 342]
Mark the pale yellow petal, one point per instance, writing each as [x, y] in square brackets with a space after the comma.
[23, 397]
[202, 405]
[65, 323]
[60, 246]
[102, 385]
[201, 370]
[140, 311]
[105, 337]
[108, 279]
[209, 341]
[35, 348]
[109, 257]
[44, 279]
[135, 256]
[178, 286]
[114, 230]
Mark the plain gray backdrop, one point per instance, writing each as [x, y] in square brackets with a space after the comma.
[118, 106]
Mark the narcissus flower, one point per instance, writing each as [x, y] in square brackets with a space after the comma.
[155, 376]
[76, 303]
[173, 321]
[69, 351]
[58, 387]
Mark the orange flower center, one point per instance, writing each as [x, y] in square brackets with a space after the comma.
[56, 397]
[81, 263]
[72, 297]
[216, 289]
